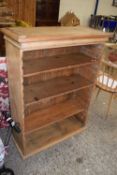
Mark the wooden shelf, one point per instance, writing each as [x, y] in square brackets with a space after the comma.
[48, 136]
[58, 112]
[53, 88]
[48, 64]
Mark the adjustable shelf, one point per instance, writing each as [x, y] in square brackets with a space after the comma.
[51, 74]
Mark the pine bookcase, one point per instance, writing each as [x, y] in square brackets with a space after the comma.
[51, 73]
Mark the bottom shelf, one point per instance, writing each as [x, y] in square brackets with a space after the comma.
[52, 134]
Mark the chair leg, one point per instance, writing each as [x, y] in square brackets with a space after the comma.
[109, 105]
[98, 91]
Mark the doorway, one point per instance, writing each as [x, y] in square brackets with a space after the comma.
[47, 12]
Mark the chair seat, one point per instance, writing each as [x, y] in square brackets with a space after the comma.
[106, 82]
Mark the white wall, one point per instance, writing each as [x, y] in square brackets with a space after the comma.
[106, 8]
[84, 8]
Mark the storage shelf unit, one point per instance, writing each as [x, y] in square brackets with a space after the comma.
[51, 76]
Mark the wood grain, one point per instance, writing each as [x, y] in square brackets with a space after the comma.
[52, 88]
[83, 94]
[53, 114]
[34, 34]
[60, 62]
[51, 74]
[43, 53]
[46, 137]
[15, 77]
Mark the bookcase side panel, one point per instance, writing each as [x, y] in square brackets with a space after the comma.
[15, 81]
[94, 51]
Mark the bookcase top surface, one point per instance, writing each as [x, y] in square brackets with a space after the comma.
[38, 34]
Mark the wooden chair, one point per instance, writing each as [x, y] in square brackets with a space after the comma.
[107, 80]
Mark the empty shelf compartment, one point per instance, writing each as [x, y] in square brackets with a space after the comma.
[53, 114]
[35, 66]
[53, 88]
[52, 134]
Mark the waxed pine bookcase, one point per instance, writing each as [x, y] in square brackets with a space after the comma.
[51, 73]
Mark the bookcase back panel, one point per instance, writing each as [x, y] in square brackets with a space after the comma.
[45, 103]
[41, 77]
[94, 51]
[43, 138]
[84, 94]
[43, 53]
[65, 108]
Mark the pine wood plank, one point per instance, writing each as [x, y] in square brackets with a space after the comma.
[33, 34]
[52, 134]
[48, 64]
[35, 54]
[46, 76]
[84, 95]
[52, 88]
[15, 77]
[53, 114]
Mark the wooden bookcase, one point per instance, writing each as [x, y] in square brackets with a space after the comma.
[51, 76]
